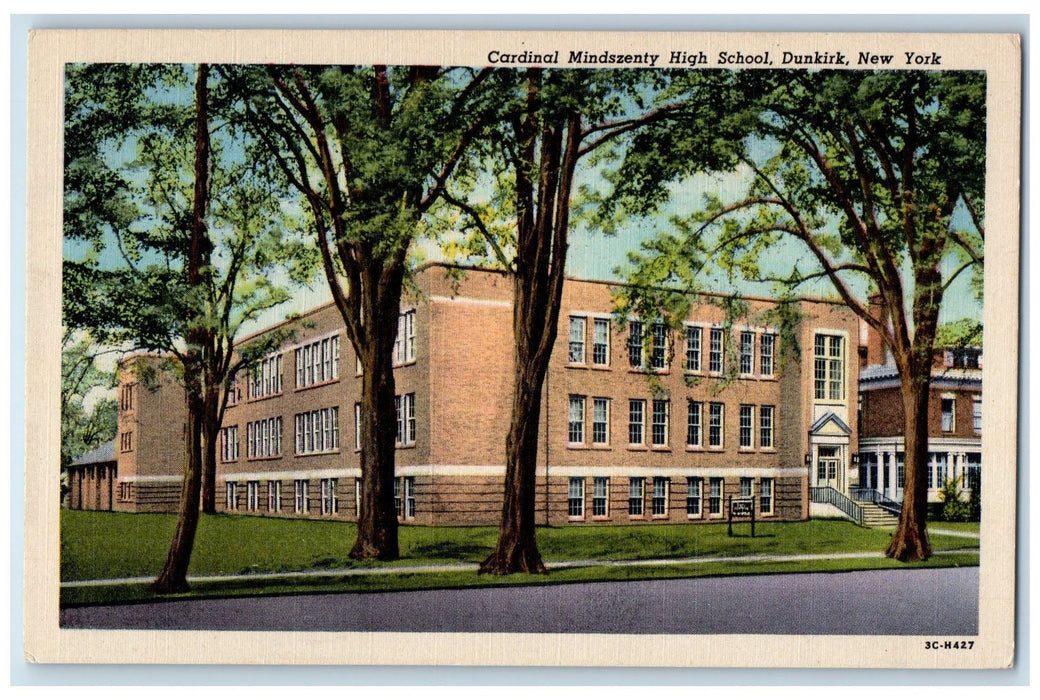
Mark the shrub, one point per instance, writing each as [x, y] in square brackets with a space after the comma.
[954, 508]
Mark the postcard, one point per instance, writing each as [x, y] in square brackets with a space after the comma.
[522, 348]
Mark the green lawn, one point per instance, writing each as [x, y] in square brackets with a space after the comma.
[114, 545]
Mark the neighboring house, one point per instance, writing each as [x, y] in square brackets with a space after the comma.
[954, 425]
[615, 446]
[91, 479]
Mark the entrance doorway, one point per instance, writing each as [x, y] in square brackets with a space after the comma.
[827, 471]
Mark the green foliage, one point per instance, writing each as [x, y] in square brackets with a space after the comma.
[954, 507]
[83, 428]
[963, 333]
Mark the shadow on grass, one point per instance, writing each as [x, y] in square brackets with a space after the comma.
[449, 550]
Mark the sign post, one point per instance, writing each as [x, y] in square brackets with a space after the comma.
[742, 508]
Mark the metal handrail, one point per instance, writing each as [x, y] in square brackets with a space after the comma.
[831, 496]
[877, 498]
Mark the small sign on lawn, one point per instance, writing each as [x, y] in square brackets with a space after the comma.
[741, 508]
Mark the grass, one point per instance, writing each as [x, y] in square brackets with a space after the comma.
[118, 545]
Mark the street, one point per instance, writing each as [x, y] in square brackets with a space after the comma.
[890, 602]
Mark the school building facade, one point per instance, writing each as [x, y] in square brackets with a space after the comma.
[641, 423]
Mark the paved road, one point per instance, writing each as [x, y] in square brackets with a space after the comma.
[914, 601]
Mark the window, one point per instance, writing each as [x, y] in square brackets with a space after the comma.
[659, 427]
[357, 497]
[576, 421]
[963, 358]
[264, 438]
[124, 491]
[976, 414]
[231, 495]
[659, 356]
[357, 427]
[635, 495]
[405, 420]
[948, 404]
[600, 421]
[126, 397]
[766, 351]
[576, 346]
[937, 469]
[601, 341]
[900, 471]
[234, 391]
[693, 349]
[715, 419]
[765, 427]
[715, 349]
[715, 496]
[266, 377]
[766, 500]
[972, 470]
[229, 443]
[747, 352]
[659, 504]
[694, 418]
[252, 495]
[274, 496]
[404, 342]
[747, 485]
[635, 344]
[317, 362]
[126, 441]
[576, 497]
[600, 489]
[827, 467]
[693, 496]
[747, 420]
[328, 497]
[397, 497]
[636, 418]
[829, 367]
[409, 497]
[300, 496]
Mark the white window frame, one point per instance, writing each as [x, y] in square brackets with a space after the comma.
[405, 420]
[640, 425]
[766, 427]
[659, 347]
[576, 420]
[357, 427]
[636, 496]
[252, 496]
[720, 443]
[949, 426]
[576, 340]
[300, 504]
[694, 348]
[716, 350]
[329, 500]
[976, 414]
[659, 498]
[829, 366]
[601, 497]
[600, 428]
[716, 494]
[576, 498]
[231, 495]
[767, 360]
[601, 348]
[747, 427]
[747, 486]
[659, 423]
[694, 497]
[635, 345]
[274, 496]
[747, 353]
[766, 504]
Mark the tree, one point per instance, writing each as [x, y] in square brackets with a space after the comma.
[879, 177]
[551, 121]
[369, 149]
[170, 249]
[83, 430]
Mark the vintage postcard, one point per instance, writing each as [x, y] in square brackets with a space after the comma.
[522, 348]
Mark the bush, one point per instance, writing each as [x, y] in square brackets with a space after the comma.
[954, 508]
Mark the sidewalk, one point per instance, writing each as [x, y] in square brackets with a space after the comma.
[577, 563]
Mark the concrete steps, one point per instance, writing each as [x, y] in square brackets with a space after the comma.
[877, 517]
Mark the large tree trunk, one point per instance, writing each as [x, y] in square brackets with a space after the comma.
[210, 440]
[377, 519]
[517, 550]
[910, 541]
[173, 578]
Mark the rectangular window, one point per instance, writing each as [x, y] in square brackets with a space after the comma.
[252, 495]
[747, 352]
[693, 349]
[659, 357]
[404, 342]
[300, 496]
[231, 495]
[715, 350]
[600, 489]
[937, 469]
[976, 414]
[229, 443]
[715, 420]
[124, 491]
[576, 421]
[126, 441]
[747, 421]
[765, 427]
[274, 496]
[328, 497]
[659, 504]
[829, 367]
[576, 346]
[600, 421]
[126, 397]
[405, 419]
[601, 341]
[635, 495]
[635, 344]
[747, 485]
[576, 497]
[715, 496]
[766, 352]
[900, 471]
[409, 497]
[357, 427]
[397, 497]
[694, 423]
[317, 362]
[766, 500]
[948, 405]
[659, 427]
[693, 496]
[636, 418]
[266, 377]
[264, 438]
